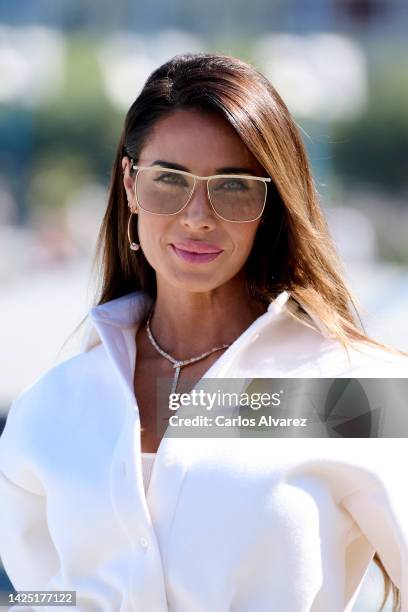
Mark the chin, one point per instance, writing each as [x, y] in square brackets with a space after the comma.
[191, 282]
[194, 287]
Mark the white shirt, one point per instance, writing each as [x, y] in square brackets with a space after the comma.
[237, 525]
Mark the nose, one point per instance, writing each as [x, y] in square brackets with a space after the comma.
[198, 214]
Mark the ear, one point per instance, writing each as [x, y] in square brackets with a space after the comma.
[129, 184]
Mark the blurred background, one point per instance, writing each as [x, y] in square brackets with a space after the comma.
[70, 69]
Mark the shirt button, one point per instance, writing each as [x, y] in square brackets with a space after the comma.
[144, 542]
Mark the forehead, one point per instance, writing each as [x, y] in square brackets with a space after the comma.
[197, 139]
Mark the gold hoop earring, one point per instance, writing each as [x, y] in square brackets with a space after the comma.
[134, 246]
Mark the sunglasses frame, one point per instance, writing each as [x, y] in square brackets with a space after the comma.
[196, 178]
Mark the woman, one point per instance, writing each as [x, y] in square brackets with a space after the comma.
[229, 273]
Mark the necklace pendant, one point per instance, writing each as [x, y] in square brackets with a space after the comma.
[177, 368]
[177, 365]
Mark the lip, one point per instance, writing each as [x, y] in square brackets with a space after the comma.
[194, 256]
[196, 246]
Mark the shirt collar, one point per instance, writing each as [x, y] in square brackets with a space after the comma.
[125, 311]
[128, 310]
[114, 324]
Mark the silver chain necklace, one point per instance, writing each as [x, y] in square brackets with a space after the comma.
[177, 364]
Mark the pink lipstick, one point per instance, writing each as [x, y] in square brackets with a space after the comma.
[194, 251]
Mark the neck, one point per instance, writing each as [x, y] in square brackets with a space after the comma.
[186, 324]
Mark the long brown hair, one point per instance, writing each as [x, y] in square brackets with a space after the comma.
[292, 250]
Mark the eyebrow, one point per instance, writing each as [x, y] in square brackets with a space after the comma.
[226, 170]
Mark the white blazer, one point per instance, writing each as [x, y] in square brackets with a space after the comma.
[227, 525]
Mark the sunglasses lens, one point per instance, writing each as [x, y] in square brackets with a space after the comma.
[237, 199]
[162, 191]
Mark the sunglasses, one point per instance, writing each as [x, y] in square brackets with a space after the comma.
[238, 198]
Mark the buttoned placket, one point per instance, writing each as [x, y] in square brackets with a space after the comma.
[147, 581]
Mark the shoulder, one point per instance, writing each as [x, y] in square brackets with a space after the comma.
[288, 346]
[367, 361]
[53, 406]
[358, 359]
[76, 372]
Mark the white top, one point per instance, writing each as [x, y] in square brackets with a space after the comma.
[243, 524]
[147, 468]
